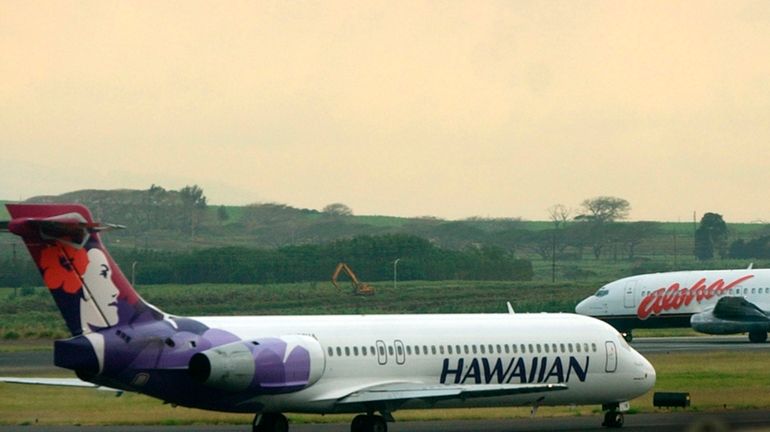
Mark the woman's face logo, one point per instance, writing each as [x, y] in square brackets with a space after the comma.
[100, 295]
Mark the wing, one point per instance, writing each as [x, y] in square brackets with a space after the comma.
[398, 393]
[58, 382]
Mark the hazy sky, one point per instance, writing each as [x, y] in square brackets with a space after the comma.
[446, 108]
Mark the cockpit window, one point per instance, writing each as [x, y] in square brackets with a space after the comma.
[602, 292]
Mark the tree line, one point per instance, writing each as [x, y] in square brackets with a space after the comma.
[371, 257]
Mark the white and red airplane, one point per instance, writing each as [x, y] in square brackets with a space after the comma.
[710, 301]
[270, 365]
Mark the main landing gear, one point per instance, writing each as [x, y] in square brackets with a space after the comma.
[758, 336]
[368, 423]
[270, 422]
[276, 422]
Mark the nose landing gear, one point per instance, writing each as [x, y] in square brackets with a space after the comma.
[613, 419]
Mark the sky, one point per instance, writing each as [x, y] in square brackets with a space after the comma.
[452, 109]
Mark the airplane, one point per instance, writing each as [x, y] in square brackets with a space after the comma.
[370, 365]
[716, 302]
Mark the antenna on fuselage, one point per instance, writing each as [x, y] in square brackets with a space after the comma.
[510, 308]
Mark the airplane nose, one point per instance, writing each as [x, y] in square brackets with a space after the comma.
[649, 375]
[582, 307]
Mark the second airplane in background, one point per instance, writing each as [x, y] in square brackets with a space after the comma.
[710, 301]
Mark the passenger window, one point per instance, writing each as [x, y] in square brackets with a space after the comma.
[585, 347]
[515, 348]
[562, 347]
[449, 349]
[425, 349]
[382, 351]
[491, 348]
[507, 349]
[545, 347]
[355, 351]
[390, 350]
[473, 348]
[441, 349]
[331, 352]
[433, 349]
[363, 351]
[339, 352]
[465, 348]
[458, 349]
[481, 347]
[399, 350]
[409, 350]
[554, 348]
[593, 347]
[416, 350]
[538, 348]
[499, 350]
[531, 348]
[523, 348]
[577, 347]
[371, 350]
[347, 351]
[569, 346]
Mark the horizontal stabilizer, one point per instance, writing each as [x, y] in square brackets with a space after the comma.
[58, 382]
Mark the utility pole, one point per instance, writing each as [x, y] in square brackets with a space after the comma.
[395, 273]
[553, 257]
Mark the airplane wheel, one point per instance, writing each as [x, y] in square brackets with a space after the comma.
[359, 423]
[270, 422]
[378, 424]
[758, 336]
[613, 419]
[368, 423]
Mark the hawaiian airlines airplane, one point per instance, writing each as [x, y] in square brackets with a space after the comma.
[710, 301]
[269, 365]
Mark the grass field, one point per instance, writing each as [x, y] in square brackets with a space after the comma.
[34, 314]
[713, 379]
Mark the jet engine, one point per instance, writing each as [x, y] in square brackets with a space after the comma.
[268, 365]
[733, 315]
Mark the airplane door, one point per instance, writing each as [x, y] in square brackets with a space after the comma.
[400, 353]
[630, 298]
[612, 357]
[382, 353]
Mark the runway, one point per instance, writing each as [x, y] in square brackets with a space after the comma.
[39, 362]
[660, 422]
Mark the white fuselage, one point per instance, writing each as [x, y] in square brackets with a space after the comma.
[361, 351]
[670, 299]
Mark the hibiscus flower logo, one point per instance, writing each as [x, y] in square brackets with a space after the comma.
[63, 266]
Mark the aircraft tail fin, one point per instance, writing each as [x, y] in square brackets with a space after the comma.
[89, 288]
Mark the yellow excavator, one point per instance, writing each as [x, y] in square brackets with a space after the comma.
[359, 288]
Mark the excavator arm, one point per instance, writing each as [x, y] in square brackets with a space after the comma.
[359, 288]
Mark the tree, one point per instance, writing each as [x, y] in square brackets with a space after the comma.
[338, 209]
[599, 213]
[604, 209]
[222, 214]
[194, 204]
[711, 236]
[559, 214]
